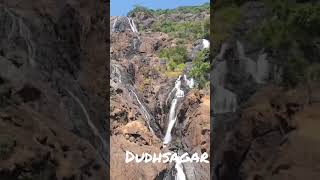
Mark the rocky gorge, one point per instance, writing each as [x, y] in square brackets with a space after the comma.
[154, 109]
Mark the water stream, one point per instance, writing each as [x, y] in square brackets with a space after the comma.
[179, 93]
[132, 25]
[93, 128]
[180, 173]
[206, 44]
[143, 110]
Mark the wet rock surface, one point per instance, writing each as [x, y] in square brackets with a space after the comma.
[52, 90]
[270, 138]
[260, 127]
[141, 100]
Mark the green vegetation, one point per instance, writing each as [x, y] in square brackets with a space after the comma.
[175, 60]
[201, 68]
[292, 34]
[175, 57]
[184, 9]
[185, 33]
[7, 144]
[190, 30]
[290, 24]
[138, 8]
[224, 20]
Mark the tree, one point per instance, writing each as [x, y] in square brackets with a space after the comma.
[200, 68]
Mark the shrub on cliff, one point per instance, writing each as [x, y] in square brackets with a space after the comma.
[138, 8]
[184, 30]
[184, 9]
[292, 34]
[200, 68]
[175, 55]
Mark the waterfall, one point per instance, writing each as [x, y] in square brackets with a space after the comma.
[17, 23]
[172, 119]
[116, 76]
[90, 123]
[258, 69]
[190, 82]
[132, 25]
[114, 24]
[176, 88]
[180, 174]
[116, 73]
[222, 52]
[206, 44]
[172, 113]
[179, 93]
[143, 110]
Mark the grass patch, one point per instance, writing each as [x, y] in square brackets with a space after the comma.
[172, 74]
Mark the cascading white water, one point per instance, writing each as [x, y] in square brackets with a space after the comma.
[143, 111]
[176, 86]
[132, 25]
[114, 25]
[172, 119]
[116, 73]
[190, 82]
[116, 76]
[206, 44]
[180, 173]
[172, 116]
[179, 94]
[90, 123]
[259, 69]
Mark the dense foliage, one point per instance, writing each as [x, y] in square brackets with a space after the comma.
[174, 57]
[183, 9]
[190, 30]
[138, 8]
[200, 68]
[292, 34]
[187, 30]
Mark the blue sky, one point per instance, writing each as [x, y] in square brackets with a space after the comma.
[122, 7]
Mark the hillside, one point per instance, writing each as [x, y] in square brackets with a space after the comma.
[265, 82]
[52, 90]
[159, 90]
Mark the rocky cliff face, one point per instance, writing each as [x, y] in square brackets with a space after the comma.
[259, 123]
[52, 90]
[141, 96]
